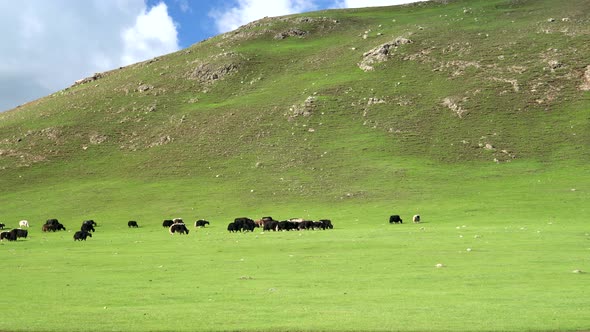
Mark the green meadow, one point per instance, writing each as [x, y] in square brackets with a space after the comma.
[480, 124]
[510, 246]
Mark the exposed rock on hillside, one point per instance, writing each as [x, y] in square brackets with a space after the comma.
[163, 140]
[264, 26]
[452, 104]
[381, 53]
[291, 33]
[51, 133]
[304, 109]
[586, 80]
[207, 73]
[458, 67]
[97, 139]
[144, 87]
[92, 78]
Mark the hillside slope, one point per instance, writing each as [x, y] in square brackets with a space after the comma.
[363, 104]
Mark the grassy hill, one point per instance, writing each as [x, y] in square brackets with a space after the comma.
[475, 114]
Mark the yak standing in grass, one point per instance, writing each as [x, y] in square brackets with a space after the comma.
[53, 228]
[167, 223]
[231, 227]
[81, 235]
[178, 228]
[395, 219]
[10, 236]
[20, 232]
[53, 225]
[201, 223]
[132, 223]
[271, 224]
[245, 224]
[87, 227]
[89, 222]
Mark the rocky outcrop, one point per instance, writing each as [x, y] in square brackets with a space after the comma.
[585, 86]
[206, 73]
[381, 53]
[452, 104]
[290, 33]
[305, 109]
[92, 78]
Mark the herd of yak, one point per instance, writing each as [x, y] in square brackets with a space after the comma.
[177, 225]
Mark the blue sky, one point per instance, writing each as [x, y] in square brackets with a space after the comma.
[196, 20]
[47, 45]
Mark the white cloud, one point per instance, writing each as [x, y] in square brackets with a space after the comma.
[250, 10]
[153, 34]
[47, 45]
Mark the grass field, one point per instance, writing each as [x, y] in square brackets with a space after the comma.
[509, 246]
[481, 125]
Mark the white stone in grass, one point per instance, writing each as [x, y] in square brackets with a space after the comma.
[468, 249]
[439, 265]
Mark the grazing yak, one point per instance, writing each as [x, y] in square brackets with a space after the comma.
[324, 224]
[87, 227]
[201, 223]
[270, 225]
[81, 235]
[287, 225]
[53, 228]
[52, 225]
[305, 224]
[10, 236]
[20, 232]
[132, 223]
[52, 222]
[89, 222]
[395, 219]
[245, 224]
[23, 223]
[416, 218]
[231, 227]
[167, 223]
[2, 226]
[178, 228]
